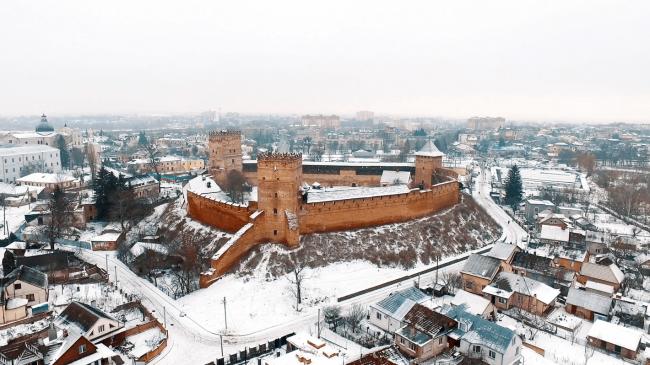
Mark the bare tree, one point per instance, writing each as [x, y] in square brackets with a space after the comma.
[589, 350]
[235, 186]
[453, 281]
[91, 157]
[153, 154]
[355, 316]
[60, 207]
[296, 279]
[185, 277]
[332, 315]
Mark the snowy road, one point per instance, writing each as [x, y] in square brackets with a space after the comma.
[512, 232]
[190, 342]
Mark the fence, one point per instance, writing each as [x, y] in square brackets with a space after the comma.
[77, 244]
[250, 353]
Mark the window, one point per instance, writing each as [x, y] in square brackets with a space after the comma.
[412, 346]
[401, 339]
[82, 349]
[492, 354]
[275, 211]
[378, 315]
[440, 341]
[275, 232]
[503, 300]
[30, 297]
[468, 284]
[17, 286]
[100, 328]
[476, 348]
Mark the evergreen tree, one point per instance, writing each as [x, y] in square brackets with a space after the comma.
[142, 139]
[63, 148]
[514, 188]
[8, 263]
[105, 187]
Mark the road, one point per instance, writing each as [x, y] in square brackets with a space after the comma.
[191, 342]
[512, 232]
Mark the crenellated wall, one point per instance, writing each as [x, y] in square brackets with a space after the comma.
[366, 212]
[222, 215]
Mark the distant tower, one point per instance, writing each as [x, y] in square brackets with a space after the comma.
[427, 160]
[44, 126]
[279, 176]
[225, 154]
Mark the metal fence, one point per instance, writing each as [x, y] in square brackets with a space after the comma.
[251, 353]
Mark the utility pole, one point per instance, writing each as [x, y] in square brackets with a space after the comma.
[115, 274]
[318, 323]
[164, 317]
[225, 317]
[221, 340]
[106, 264]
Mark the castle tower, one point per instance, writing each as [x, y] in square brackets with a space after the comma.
[427, 160]
[279, 176]
[225, 154]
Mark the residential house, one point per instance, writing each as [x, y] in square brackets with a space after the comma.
[48, 181]
[553, 234]
[504, 252]
[78, 350]
[388, 313]
[605, 274]
[478, 272]
[555, 219]
[303, 349]
[543, 269]
[511, 290]
[620, 340]
[535, 206]
[384, 356]
[424, 334]
[22, 288]
[144, 187]
[588, 305]
[89, 321]
[474, 304]
[480, 339]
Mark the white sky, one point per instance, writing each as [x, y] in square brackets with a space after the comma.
[537, 60]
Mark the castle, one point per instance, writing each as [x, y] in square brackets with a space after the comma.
[287, 206]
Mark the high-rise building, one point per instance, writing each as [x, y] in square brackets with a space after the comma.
[365, 116]
[478, 123]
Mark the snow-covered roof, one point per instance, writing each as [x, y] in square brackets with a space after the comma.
[481, 331]
[345, 193]
[589, 300]
[389, 177]
[140, 247]
[473, 303]
[508, 282]
[106, 237]
[501, 250]
[399, 303]
[14, 303]
[14, 150]
[594, 285]
[554, 233]
[430, 150]
[540, 202]
[609, 273]
[45, 178]
[482, 266]
[617, 335]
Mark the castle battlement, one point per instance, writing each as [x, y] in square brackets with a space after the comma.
[272, 156]
[217, 135]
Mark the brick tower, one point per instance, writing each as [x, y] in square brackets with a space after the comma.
[427, 160]
[279, 176]
[225, 154]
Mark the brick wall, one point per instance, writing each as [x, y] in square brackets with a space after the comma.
[366, 212]
[224, 216]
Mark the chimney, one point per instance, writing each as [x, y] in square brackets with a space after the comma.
[51, 332]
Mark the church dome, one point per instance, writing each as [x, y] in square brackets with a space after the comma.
[44, 125]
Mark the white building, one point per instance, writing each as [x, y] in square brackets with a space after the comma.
[17, 161]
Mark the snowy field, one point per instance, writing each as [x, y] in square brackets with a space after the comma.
[14, 217]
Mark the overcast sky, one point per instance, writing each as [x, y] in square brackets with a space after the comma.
[531, 60]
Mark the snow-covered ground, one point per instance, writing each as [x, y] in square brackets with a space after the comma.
[14, 218]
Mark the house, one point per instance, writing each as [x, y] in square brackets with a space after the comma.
[511, 290]
[26, 282]
[480, 339]
[424, 334]
[555, 219]
[542, 269]
[473, 304]
[110, 239]
[89, 321]
[48, 181]
[505, 252]
[478, 272]
[78, 350]
[620, 340]
[588, 305]
[604, 274]
[144, 187]
[389, 312]
[535, 206]
[629, 312]
[599, 288]
[554, 234]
